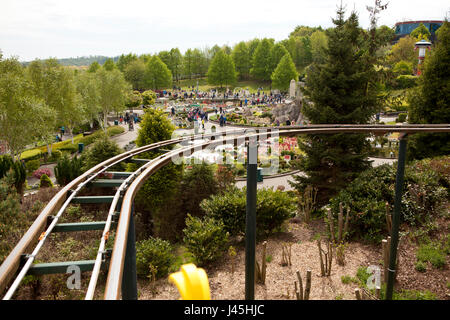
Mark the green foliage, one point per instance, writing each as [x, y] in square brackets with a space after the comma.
[284, 72]
[157, 76]
[11, 217]
[67, 169]
[109, 65]
[242, 60]
[205, 238]
[134, 73]
[432, 252]
[148, 97]
[45, 182]
[155, 127]
[101, 150]
[420, 266]
[403, 68]
[429, 103]
[401, 117]
[155, 253]
[405, 82]
[348, 279]
[421, 33]
[368, 194]
[272, 210]
[32, 165]
[93, 67]
[261, 60]
[197, 184]
[134, 100]
[221, 70]
[342, 92]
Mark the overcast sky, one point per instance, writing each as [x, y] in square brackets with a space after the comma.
[41, 29]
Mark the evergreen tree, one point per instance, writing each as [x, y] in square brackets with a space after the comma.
[241, 58]
[94, 67]
[125, 60]
[158, 76]
[221, 70]
[340, 92]
[277, 52]
[429, 103]
[109, 65]
[261, 61]
[421, 33]
[284, 73]
[188, 63]
[135, 73]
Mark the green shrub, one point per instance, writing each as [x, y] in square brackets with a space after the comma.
[421, 266]
[45, 182]
[205, 238]
[414, 295]
[401, 117]
[433, 253]
[56, 154]
[405, 81]
[403, 68]
[101, 150]
[422, 198]
[11, 217]
[348, 279]
[71, 148]
[67, 169]
[155, 253]
[273, 208]
[363, 275]
[32, 165]
[32, 154]
[114, 130]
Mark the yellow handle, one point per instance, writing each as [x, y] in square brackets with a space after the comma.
[192, 282]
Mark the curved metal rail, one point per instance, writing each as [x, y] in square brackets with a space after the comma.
[132, 184]
[114, 279]
[60, 202]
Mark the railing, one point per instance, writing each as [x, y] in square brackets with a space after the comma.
[129, 188]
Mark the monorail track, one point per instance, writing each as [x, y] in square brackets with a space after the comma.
[19, 263]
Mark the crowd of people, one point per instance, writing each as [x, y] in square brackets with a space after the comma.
[245, 97]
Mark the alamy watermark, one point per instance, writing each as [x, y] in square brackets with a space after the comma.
[229, 147]
[74, 281]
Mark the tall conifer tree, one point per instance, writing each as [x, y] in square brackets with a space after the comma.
[340, 92]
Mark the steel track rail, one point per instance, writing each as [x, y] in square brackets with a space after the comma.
[57, 203]
[11, 263]
[114, 279]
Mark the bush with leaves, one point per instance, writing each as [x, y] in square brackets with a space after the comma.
[45, 182]
[273, 208]
[154, 253]
[32, 165]
[205, 238]
[367, 195]
[11, 217]
[102, 149]
[7, 164]
[67, 169]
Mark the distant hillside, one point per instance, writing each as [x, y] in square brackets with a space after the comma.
[82, 61]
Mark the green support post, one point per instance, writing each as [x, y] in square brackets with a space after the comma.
[396, 216]
[250, 220]
[129, 277]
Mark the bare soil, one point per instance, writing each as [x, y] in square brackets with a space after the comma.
[279, 285]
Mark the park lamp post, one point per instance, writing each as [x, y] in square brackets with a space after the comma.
[422, 45]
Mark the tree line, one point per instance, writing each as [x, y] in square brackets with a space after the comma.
[37, 100]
